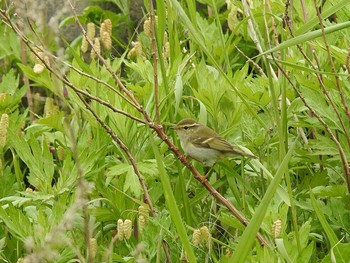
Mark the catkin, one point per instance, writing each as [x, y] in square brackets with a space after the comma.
[38, 68]
[166, 50]
[108, 26]
[84, 45]
[90, 31]
[60, 153]
[136, 51]
[142, 223]
[147, 27]
[97, 49]
[39, 52]
[201, 237]
[3, 96]
[127, 228]
[50, 108]
[196, 237]
[276, 228]
[205, 235]
[4, 123]
[106, 40]
[144, 211]
[120, 229]
[93, 247]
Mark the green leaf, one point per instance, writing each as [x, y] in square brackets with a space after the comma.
[306, 37]
[132, 183]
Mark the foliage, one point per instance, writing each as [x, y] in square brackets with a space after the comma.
[82, 153]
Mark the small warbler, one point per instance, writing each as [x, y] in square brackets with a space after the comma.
[204, 144]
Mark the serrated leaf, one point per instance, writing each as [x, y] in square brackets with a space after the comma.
[132, 183]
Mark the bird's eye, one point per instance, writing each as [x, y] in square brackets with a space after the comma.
[186, 127]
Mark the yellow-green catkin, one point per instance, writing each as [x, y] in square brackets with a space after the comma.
[38, 68]
[102, 28]
[166, 50]
[136, 51]
[196, 237]
[93, 247]
[84, 45]
[108, 26]
[29, 190]
[142, 223]
[201, 237]
[276, 228]
[147, 27]
[127, 228]
[120, 229]
[50, 109]
[61, 153]
[38, 52]
[143, 217]
[144, 211]
[4, 123]
[106, 40]
[90, 31]
[205, 236]
[97, 49]
[3, 97]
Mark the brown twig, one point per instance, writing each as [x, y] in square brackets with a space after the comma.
[251, 61]
[166, 251]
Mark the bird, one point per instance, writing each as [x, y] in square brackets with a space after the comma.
[203, 144]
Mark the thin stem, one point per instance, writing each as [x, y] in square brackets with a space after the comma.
[155, 61]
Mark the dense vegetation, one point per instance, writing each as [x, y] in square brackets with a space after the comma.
[90, 169]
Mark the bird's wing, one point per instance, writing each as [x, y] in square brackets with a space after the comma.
[220, 144]
[216, 143]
